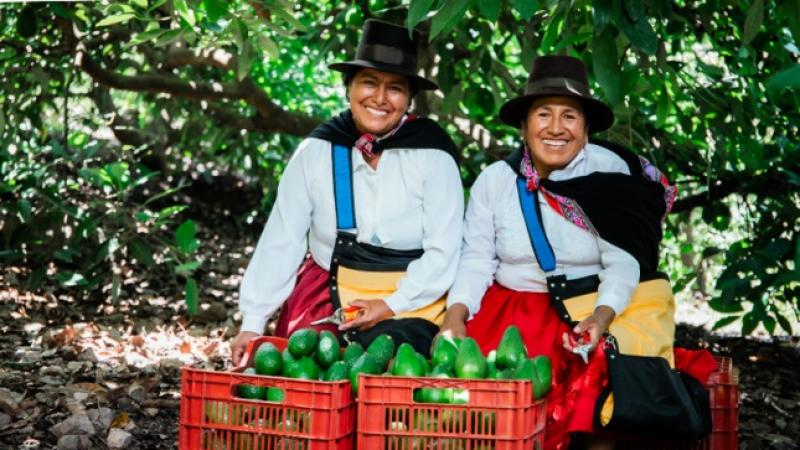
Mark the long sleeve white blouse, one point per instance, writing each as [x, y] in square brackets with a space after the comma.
[414, 199]
[497, 246]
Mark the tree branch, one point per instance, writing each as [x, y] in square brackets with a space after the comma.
[272, 117]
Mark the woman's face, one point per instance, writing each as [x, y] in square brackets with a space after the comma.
[378, 100]
[555, 131]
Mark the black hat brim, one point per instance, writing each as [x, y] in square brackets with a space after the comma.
[598, 115]
[356, 64]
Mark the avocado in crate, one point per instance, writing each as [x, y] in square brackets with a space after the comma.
[261, 407]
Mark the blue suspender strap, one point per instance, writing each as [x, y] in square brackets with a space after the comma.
[541, 247]
[343, 187]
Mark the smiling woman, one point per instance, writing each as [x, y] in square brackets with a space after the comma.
[561, 240]
[377, 195]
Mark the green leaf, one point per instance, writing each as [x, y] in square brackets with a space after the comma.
[724, 321]
[169, 37]
[145, 36]
[417, 11]
[119, 18]
[479, 101]
[784, 324]
[749, 324]
[663, 107]
[170, 211]
[190, 290]
[10, 255]
[552, 33]
[185, 237]
[792, 14]
[447, 17]
[283, 12]
[245, 61]
[215, 9]
[184, 12]
[769, 324]
[36, 279]
[187, 268]
[725, 306]
[752, 23]
[634, 9]
[269, 46]
[605, 65]
[602, 12]
[641, 34]
[797, 254]
[525, 8]
[142, 252]
[490, 9]
[140, 3]
[119, 175]
[27, 24]
[788, 78]
[69, 279]
[61, 11]
[24, 210]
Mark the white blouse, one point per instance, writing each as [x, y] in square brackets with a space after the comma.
[413, 200]
[497, 246]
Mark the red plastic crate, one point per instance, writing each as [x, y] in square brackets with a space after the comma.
[498, 415]
[315, 415]
[723, 387]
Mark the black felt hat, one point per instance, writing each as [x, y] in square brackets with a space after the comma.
[387, 47]
[557, 75]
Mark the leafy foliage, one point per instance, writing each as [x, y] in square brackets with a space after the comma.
[110, 110]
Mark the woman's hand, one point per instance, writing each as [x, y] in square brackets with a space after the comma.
[372, 312]
[239, 345]
[591, 328]
[455, 320]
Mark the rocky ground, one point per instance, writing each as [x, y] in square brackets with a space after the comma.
[79, 375]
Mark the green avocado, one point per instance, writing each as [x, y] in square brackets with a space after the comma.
[251, 391]
[364, 364]
[267, 360]
[407, 362]
[382, 349]
[337, 371]
[470, 362]
[303, 342]
[327, 349]
[352, 353]
[511, 349]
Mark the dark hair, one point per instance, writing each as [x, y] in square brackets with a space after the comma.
[348, 76]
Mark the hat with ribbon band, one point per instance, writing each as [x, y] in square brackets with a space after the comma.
[558, 76]
[387, 47]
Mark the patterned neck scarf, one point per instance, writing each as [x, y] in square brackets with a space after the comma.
[565, 206]
[366, 142]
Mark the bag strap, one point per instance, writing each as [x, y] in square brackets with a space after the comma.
[531, 211]
[343, 187]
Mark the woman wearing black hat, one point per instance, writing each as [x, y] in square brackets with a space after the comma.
[377, 193]
[561, 240]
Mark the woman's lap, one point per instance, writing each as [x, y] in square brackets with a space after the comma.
[576, 385]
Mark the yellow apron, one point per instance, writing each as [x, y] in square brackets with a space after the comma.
[645, 328]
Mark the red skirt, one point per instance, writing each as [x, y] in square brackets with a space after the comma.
[310, 300]
[576, 386]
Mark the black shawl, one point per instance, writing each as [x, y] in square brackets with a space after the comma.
[418, 133]
[626, 210]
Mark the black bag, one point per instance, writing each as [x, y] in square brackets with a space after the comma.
[651, 399]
